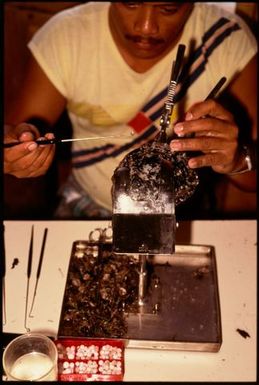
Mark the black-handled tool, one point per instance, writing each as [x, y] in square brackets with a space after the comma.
[216, 89]
[39, 269]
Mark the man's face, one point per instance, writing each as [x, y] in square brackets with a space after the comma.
[148, 30]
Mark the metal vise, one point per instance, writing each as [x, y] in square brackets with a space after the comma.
[143, 217]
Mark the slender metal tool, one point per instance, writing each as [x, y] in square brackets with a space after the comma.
[55, 141]
[3, 263]
[216, 89]
[211, 95]
[28, 277]
[39, 269]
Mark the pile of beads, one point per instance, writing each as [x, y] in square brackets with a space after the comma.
[81, 359]
[110, 367]
[86, 367]
[67, 367]
[87, 352]
[110, 352]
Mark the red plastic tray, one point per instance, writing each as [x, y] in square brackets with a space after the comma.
[84, 359]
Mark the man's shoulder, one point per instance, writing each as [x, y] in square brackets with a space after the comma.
[85, 9]
[77, 19]
[216, 11]
[206, 15]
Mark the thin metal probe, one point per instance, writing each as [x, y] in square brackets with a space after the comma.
[211, 95]
[55, 141]
[38, 270]
[28, 277]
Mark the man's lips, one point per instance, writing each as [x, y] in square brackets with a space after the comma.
[144, 42]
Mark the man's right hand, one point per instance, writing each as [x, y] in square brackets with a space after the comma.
[27, 159]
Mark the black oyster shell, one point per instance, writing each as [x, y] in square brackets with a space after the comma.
[153, 167]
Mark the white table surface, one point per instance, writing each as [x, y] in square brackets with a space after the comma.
[235, 245]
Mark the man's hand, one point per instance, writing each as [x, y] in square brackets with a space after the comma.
[27, 159]
[213, 132]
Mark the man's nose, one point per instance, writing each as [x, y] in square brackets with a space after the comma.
[146, 22]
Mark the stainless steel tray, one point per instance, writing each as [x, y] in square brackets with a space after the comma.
[186, 299]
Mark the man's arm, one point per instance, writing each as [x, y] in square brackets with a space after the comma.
[38, 100]
[244, 89]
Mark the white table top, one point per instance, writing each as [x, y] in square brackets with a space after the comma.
[235, 246]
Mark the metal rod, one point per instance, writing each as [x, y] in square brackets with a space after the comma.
[28, 277]
[39, 269]
[142, 279]
[211, 95]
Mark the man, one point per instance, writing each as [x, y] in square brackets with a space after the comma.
[109, 65]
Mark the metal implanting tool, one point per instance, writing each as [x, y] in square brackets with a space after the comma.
[58, 141]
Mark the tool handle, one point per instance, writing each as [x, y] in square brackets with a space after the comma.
[30, 254]
[216, 89]
[43, 141]
[42, 253]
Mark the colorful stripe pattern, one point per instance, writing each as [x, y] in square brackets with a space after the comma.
[144, 123]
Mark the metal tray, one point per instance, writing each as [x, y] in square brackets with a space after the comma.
[186, 300]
